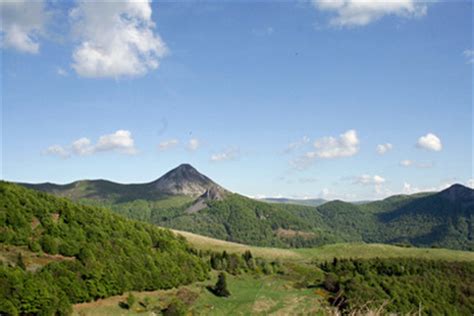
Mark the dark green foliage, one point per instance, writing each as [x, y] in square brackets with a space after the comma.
[220, 289]
[245, 263]
[175, 308]
[20, 263]
[440, 288]
[106, 254]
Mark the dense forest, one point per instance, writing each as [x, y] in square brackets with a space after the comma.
[104, 254]
[444, 219]
[424, 220]
[401, 285]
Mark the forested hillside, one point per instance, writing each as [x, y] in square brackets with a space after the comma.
[97, 254]
[443, 219]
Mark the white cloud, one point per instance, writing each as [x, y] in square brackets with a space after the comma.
[406, 163]
[328, 194]
[61, 72]
[350, 13]
[470, 183]
[57, 150]
[117, 39]
[168, 144]
[411, 163]
[297, 144]
[121, 141]
[410, 189]
[430, 142]
[382, 149]
[22, 22]
[82, 147]
[346, 145]
[193, 144]
[469, 54]
[228, 154]
[366, 179]
[376, 181]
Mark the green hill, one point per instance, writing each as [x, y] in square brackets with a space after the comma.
[65, 253]
[186, 200]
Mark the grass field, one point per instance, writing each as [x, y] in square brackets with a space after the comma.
[328, 252]
[264, 295]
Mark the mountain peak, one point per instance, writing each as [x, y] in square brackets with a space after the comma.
[185, 180]
[458, 192]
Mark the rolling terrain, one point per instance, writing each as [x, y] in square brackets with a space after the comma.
[187, 200]
[54, 253]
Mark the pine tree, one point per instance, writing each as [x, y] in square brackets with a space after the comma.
[221, 286]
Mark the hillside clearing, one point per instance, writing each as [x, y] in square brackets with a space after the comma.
[328, 252]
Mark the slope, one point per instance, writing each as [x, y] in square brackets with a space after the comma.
[106, 254]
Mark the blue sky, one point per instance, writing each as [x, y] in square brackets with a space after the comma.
[268, 99]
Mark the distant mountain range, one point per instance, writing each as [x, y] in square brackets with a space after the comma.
[185, 199]
[308, 202]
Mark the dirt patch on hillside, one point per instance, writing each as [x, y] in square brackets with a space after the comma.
[263, 305]
[290, 233]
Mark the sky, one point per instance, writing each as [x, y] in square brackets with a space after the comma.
[307, 99]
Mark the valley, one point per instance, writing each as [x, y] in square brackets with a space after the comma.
[101, 248]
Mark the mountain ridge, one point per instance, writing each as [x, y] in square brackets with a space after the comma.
[187, 200]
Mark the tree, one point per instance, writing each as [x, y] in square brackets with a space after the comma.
[20, 262]
[131, 300]
[220, 289]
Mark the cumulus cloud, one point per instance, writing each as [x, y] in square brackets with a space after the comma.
[22, 24]
[430, 142]
[193, 144]
[82, 147]
[350, 13]
[117, 38]
[469, 54]
[345, 145]
[382, 149]
[121, 141]
[168, 144]
[57, 150]
[228, 154]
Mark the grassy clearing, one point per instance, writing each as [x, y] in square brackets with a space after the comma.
[208, 243]
[33, 261]
[265, 295]
[328, 252]
[367, 251]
